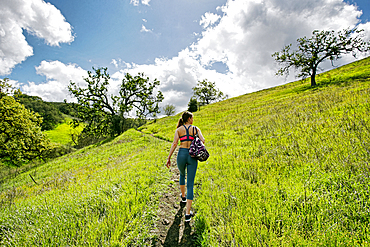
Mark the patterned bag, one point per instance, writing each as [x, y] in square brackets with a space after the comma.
[197, 149]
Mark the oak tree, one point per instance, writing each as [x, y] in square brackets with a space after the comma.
[169, 109]
[206, 92]
[321, 46]
[106, 115]
[21, 138]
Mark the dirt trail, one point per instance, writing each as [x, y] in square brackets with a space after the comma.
[171, 227]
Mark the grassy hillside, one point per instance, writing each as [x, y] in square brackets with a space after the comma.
[288, 166]
[98, 196]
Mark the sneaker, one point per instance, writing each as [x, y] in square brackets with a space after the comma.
[188, 216]
[183, 199]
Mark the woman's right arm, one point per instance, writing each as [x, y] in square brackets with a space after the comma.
[173, 147]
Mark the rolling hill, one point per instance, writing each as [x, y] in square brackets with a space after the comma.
[289, 166]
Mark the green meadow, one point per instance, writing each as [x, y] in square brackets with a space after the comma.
[289, 166]
[62, 134]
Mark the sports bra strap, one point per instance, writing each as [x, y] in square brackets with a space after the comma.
[187, 136]
[187, 129]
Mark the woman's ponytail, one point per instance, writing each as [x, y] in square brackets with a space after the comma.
[184, 118]
[180, 123]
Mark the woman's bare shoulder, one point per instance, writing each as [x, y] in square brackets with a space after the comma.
[179, 129]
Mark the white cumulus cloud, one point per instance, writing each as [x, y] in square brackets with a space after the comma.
[58, 76]
[250, 31]
[177, 76]
[242, 38]
[38, 18]
[366, 28]
[209, 19]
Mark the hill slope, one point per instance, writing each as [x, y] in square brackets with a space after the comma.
[288, 166]
[98, 196]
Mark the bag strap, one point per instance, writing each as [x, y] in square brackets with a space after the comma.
[196, 135]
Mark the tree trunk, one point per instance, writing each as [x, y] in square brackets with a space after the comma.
[313, 78]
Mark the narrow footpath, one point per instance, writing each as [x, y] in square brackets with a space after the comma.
[171, 228]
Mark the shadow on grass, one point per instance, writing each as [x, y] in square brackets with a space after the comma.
[344, 80]
[173, 234]
[330, 81]
[188, 238]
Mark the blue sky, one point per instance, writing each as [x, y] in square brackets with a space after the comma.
[106, 30]
[45, 44]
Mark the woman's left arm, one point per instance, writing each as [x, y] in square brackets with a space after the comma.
[200, 135]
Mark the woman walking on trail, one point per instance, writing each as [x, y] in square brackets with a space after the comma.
[185, 132]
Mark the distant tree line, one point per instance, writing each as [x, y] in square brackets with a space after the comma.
[51, 115]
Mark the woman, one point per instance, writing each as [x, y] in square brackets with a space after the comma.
[185, 132]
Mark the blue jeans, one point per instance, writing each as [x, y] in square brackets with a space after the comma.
[185, 161]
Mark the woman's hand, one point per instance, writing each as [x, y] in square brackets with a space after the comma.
[168, 163]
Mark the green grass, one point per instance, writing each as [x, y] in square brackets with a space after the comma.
[105, 195]
[62, 134]
[288, 167]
